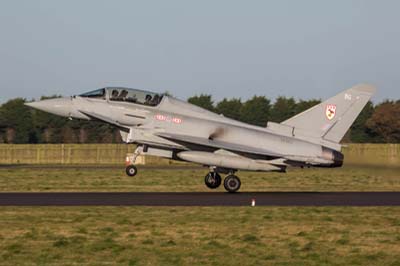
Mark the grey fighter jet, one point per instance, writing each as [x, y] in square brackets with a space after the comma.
[161, 125]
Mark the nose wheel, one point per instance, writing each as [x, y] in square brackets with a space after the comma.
[213, 180]
[131, 170]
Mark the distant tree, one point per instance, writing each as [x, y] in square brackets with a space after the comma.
[282, 109]
[256, 111]
[385, 121]
[204, 101]
[359, 132]
[21, 124]
[230, 108]
[303, 105]
[99, 132]
[48, 127]
[17, 118]
[3, 126]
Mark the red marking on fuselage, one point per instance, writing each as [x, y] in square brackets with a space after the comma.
[169, 119]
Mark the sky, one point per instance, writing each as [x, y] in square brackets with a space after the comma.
[303, 49]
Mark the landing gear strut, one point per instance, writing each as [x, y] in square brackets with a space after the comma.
[213, 180]
[131, 169]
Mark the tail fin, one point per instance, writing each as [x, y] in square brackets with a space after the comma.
[331, 119]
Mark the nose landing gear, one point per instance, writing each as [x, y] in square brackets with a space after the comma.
[131, 170]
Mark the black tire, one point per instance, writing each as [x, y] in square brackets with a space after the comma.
[232, 183]
[131, 170]
[213, 180]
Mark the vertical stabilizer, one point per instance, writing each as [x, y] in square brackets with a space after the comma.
[331, 119]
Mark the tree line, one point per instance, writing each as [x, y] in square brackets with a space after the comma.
[19, 124]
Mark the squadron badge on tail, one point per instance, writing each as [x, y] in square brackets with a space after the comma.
[330, 111]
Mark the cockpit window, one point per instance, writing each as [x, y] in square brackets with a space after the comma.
[100, 93]
[134, 96]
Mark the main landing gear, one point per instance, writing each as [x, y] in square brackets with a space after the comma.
[231, 183]
[213, 180]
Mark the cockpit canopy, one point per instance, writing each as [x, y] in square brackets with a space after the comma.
[100, 93]
[120, 94]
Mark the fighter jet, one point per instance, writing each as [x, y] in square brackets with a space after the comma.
[163, 126]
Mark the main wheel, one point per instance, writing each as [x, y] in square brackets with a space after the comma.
[213, 180]
[131, 170]
[232, 183]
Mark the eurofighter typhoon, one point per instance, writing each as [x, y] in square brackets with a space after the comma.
[161, 125]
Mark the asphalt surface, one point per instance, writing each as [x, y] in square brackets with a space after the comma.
[202, 199]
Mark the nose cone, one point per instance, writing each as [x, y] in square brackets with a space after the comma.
[58, 106]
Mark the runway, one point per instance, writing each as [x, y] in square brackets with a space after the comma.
[201, 199]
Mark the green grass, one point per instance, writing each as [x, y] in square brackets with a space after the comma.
[199, 236]
[57, 178]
